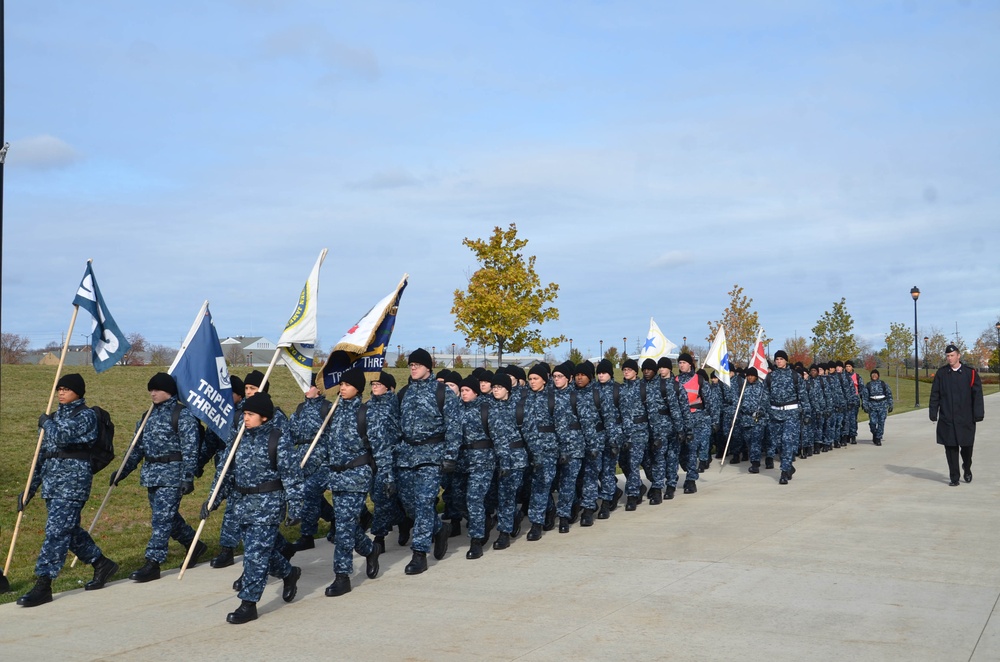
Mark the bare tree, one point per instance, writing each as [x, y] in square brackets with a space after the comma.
[161, 355]
[138, 344]
[13, 348]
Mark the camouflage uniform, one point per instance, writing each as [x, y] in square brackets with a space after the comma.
[753, 417]
[171, 459]
[511, 459]
[660, 427]
[429, 437]
[729, 428]
[229, 531]
[635, 425]
[265, 491]
[851, 404]
[856, 384]
[65, 483]
[384, 435]
[303, 426]
[817, 403]
[350, 476]
[476, 463]
[838, 404]
[677, 419]
[571, 447]
[878, 403]
[538, 429]
[595, 436]
[825, 436]
[700, 414]
[615, 436]
[789, 402]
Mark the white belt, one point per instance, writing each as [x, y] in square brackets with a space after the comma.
[785, 407]
[877, 397]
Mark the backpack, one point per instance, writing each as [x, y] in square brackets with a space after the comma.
[519, 408]
[103, 450]
[175, 419]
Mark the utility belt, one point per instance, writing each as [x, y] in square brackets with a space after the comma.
[477, 445]
[786, 406]
[700, 405]
[436, 439]
[546, 428]
[164, 459]
[361, 460]
[263, 488]
[68, 454]
[640, 419]
[515, 445]
[664, 412]
[877, 397]
[574, 426]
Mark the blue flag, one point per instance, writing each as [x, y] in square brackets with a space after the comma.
[107, 343]
[203, 378]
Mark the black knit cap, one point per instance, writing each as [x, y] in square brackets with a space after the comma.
[587, 369]
[703, 374]
[502, 379]
[259, 403]
[161, 381]
[486, 376]
[517, 372]
[750, 372]
[355, 377]
[237, 385]
[453, 377]
[649, 364]
[470, 382]
[443, 375]
[631, 363]
[256, 378]
[780, 354]
[848, 362]
[478, 373]
[421, 356]
[386, 380]
[665, 362]
[875, 372]
[540, 369]
[566, 368]
[74, 382]
[840, 364]
[604, 366]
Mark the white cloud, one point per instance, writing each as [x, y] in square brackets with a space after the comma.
[42, 153]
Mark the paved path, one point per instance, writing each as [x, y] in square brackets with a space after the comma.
[867, 554]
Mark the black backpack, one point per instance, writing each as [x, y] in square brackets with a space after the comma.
[103, 450]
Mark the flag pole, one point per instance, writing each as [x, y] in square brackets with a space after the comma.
[222, 474]
[319, 433]
[41, 435]
[736, 413]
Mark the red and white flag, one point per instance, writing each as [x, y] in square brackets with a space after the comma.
[758, 358]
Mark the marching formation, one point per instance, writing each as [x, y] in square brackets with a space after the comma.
[493, 447]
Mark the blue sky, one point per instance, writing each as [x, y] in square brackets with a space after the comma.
[653, 154]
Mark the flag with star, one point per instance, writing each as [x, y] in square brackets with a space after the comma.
[656, 344]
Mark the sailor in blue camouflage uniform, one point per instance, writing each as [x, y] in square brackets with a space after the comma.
[838, 404]
[752, 418]
[702, 411]
[635, 425]
[805, 431]
[303, 425]
[817, 403]
[595, 440]
[856, 382]
[432, 432]
[229, 530]
[169, 456]
[384, 435]
[539, 431]
[63, 472]
[213, 447]
[266, 475]
[877, 401]
[852, 402]
[826, 413]
[609, 392]
[654, 461]
[476, 461]
[453, 485]
[511, 457]
[677, 416]
[569, 432]
[789, 409]
[726, 396]
[350, 474]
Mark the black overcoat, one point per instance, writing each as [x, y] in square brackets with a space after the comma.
[956, 404]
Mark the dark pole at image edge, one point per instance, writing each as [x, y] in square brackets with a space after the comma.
[915, 293]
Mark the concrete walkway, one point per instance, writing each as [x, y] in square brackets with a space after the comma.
[867, 554]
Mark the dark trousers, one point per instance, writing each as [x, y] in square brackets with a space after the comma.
[952, 453]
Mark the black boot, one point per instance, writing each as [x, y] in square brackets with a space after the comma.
[735, 459]
[491, 522]
[238, 584]
[516, 531]
[642, 491]
[690, 487]
[404, 531]
[604, 512]
[39, 594]
[380, 541]
[670, 492]
[503, 541]
[303, 543]
[563, 525]
[147, 573]
[574, 513]
[224, 559]
[456, 527]
[199, 550]
[754, 468]
[4, 583]
[104, 568]
[475, 549]
[417, 564]
[854, 440]
[631, 503]
[655, 496]
[587, 517]
[616, 498]
[769, 462]
[535, 532]
[341, 585]
[289, 585]
[784, 479]
[371, 561]
[246, 612]
[550, 520]
[441, 540]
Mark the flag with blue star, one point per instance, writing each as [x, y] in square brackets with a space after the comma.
[656, 344]
[718, 356]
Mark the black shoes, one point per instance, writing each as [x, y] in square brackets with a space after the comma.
[604, 512]
[341, 585]
[39, 594]
[371, 561]
[147, 573]
[968, 476]
[631, 503]
[616, 498]
[199, 550]
[441, 540]
[550, 520]
[535, 533]
[953, 483]
[563, 525]
[655, 496]
[104, 568]
[670, 492]
[503, 541]
[456, 527]
[224, 559]
[475, 550]
[303, 543]
[574, 514]
[246, 612]
[238, 584]
[380, 541]
[735, 459]
[784, 479]
[404, 530]
[587, 517]
[516, 531]
[416, 565]
[690, 487]
[768, 463]
[290, 584]
[754, 468]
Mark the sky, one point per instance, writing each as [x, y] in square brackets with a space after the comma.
[653, 154]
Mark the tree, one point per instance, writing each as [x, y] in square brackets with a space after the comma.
[898, 347]
[934, 349]
[505, 300]
[161, 355]
[833, 336]
[234, 355]
[138, 344]
[575, 356]
[741, 325]
[985, 348]
[798, 350]
[402, 360]
[611, 354]
[13, 348]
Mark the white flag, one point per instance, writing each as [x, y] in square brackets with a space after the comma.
[297, 343]
[656, 344]
[718, 355]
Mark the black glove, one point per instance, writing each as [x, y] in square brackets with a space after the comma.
[113, 479]
[390, 489]
[690, 437]
[564, 459]
[448, 466]
[890, 410]
[187, 487]
[22, 502]
[200, 472]
[205, 509]
[42, 418]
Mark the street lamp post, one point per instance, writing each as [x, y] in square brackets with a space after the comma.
[602, 348]
[684, 341]
[571, 348]
[915, 293]
[433, 352]
[625, 346]
[998, 347]
[453, 356]
[925, 356]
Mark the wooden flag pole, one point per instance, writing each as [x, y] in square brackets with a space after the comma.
[732, 426]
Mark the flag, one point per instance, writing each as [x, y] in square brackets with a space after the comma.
[758, 358]
[107, 343]
[297, 343]
[202, 376]
[718, 355]
[656, 344]
[363, 346]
